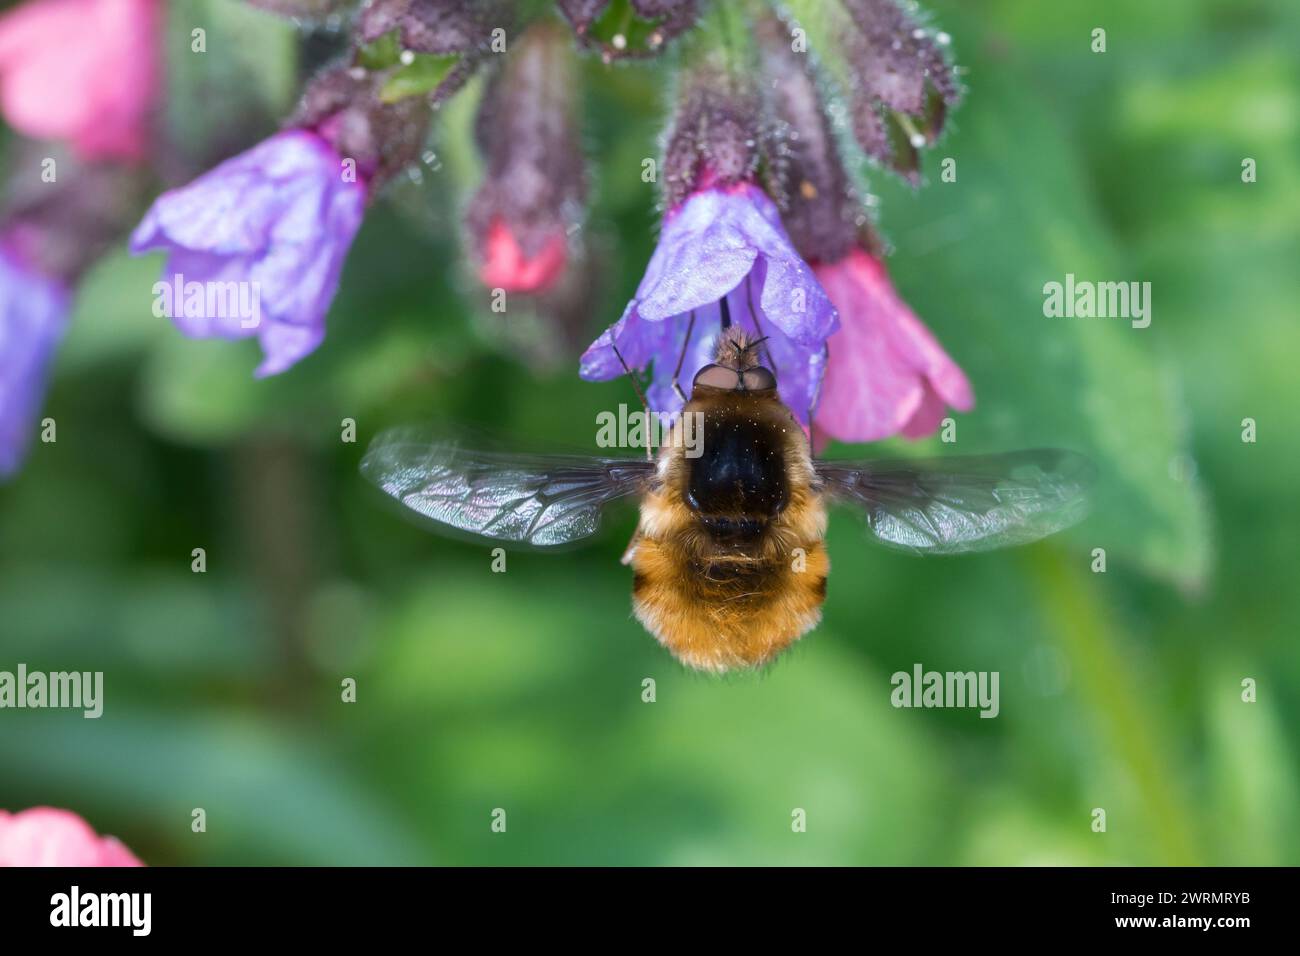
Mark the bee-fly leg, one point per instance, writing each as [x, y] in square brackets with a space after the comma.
[749, 298]
[686, 343]
[645, 406]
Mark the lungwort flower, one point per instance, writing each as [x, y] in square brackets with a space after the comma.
[886, 373]
[43, 836]
[278, 220]
[83, 71]
[531, 195]
[723, 257]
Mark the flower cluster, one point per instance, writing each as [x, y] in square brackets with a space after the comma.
[763, 218]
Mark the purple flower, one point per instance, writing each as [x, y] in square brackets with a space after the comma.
[721, 242]
[277, 221]
[33, 314]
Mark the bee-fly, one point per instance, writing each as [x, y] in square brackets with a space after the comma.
[729, 560]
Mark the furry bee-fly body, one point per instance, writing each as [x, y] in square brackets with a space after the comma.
[728, 559]
[729, 565]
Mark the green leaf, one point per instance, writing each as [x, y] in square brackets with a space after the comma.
[112, 316]
[972, 259]
[420, 77]
[270, 794]
[203, 391]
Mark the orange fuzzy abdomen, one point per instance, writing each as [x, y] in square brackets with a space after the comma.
[731, 610]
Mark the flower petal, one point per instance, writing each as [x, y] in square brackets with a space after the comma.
[886, 373]
[44, 836]
[704, 251]
[85, 71]
[722, 242]
[277, 220]
[33, 316]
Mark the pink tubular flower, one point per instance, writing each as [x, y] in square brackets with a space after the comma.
[43, 836]
[886, 372]
[506, 266]
[83, 71]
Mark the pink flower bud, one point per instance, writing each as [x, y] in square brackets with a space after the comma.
[903, 85]
[534, 183]
[505, 265]
[716, 134]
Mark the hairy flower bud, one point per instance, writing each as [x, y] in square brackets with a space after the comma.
[715, 134]
[819, 208]
[535, 183]
[428, 26]
[343, 105]
[60, 228]
[902, 83]
[629, 28]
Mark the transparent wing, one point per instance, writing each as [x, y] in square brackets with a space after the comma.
[539, 500]
[949, 505]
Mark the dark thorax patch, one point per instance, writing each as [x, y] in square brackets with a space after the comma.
[738, 483]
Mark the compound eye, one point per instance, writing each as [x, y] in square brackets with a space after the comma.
[759, 379]
[717, 376]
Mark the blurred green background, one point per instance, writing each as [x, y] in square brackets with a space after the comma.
[523, 690]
